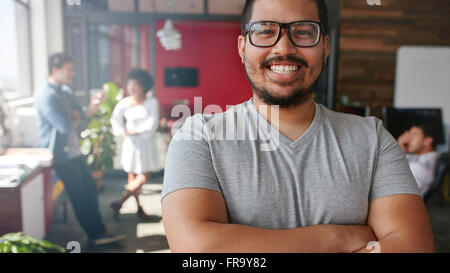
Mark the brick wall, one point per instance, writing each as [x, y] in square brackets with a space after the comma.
[370, 37]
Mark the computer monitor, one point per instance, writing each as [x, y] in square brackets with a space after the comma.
[356, 110]
[398, 120]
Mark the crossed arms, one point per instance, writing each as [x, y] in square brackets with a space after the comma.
[196, 220]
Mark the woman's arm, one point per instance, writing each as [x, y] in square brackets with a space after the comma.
[118, 120]
[151, 123]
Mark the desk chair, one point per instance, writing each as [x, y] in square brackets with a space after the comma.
[441, 176]
[363, 111]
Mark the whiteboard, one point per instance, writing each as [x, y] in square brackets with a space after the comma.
[423, 79]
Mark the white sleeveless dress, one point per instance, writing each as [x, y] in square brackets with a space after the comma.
[139, 152]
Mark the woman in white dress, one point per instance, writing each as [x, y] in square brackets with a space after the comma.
[136, 119]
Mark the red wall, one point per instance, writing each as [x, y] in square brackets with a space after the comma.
[211, 47]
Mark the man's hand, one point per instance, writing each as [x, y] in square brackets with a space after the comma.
[404, 140]
[129, 133]
[95, 104]
[357, 237]
[76, 117]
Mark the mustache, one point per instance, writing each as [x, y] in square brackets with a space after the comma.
[293, 59]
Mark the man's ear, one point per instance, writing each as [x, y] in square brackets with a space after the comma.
[53, 71]
[241, 47]
[327, 48]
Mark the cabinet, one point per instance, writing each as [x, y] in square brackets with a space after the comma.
[28, 206]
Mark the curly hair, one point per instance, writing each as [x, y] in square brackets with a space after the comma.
[143, 77]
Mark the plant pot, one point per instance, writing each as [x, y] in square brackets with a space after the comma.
[98, 176]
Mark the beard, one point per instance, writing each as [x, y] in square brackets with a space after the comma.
[298, 96]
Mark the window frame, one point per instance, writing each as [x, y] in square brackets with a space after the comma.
[28, 77]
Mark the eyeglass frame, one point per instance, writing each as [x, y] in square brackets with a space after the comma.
[286, 26]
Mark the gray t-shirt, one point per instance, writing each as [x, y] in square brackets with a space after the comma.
[327, 176]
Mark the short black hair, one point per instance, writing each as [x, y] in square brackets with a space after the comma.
[248, 10]
[143, 77]
[58, 60]
[427, 129]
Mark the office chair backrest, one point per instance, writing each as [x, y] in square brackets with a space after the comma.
[442, 167]
[363, 111]
[398, 120]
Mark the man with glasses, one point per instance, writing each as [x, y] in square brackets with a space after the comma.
[332, 182]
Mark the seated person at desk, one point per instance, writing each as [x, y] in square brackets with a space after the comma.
[419, 146]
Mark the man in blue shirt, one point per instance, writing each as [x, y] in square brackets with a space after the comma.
[61, 120]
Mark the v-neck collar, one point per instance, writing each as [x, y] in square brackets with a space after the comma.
[301, 140]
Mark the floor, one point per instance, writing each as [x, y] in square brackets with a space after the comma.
[142, 236]
[150, 237]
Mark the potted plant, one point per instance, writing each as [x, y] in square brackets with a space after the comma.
[19, 243]
[97, 140]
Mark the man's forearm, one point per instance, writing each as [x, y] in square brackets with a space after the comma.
[397, 242]
[217, 237]
[90, 112]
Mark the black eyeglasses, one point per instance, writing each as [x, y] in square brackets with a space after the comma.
[268, 33]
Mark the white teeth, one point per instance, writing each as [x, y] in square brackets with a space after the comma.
[283, 69]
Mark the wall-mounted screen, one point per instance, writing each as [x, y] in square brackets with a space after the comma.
[181, 77]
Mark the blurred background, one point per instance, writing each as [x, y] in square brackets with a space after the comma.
[383, 58]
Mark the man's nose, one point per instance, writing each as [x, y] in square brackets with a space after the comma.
[284, 46]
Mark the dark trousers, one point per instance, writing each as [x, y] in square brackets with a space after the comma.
[82, 191]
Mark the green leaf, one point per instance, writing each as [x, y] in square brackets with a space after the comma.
[86, 146]
[90, 160]
[26, 244]
[98, 143]
[13, 236]
[95, 123]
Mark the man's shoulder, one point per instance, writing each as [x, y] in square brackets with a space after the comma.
[431, 156]
[44, 93]
[231, 111]
[201, 125]
[346, 121]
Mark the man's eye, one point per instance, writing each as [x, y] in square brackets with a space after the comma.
[303, 33]
[264, 32]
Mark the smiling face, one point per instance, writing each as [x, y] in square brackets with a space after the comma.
[135, 89]
[284, 74]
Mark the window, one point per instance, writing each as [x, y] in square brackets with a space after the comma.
[233, 7]
[114, 50]
[121, 5]
[172, 6]
[15, 71]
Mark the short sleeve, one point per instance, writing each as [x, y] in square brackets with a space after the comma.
[188, 162]
[392, 174]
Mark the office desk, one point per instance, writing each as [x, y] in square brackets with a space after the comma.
[26, 203]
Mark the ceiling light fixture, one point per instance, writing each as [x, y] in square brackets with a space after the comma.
[169, 37]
